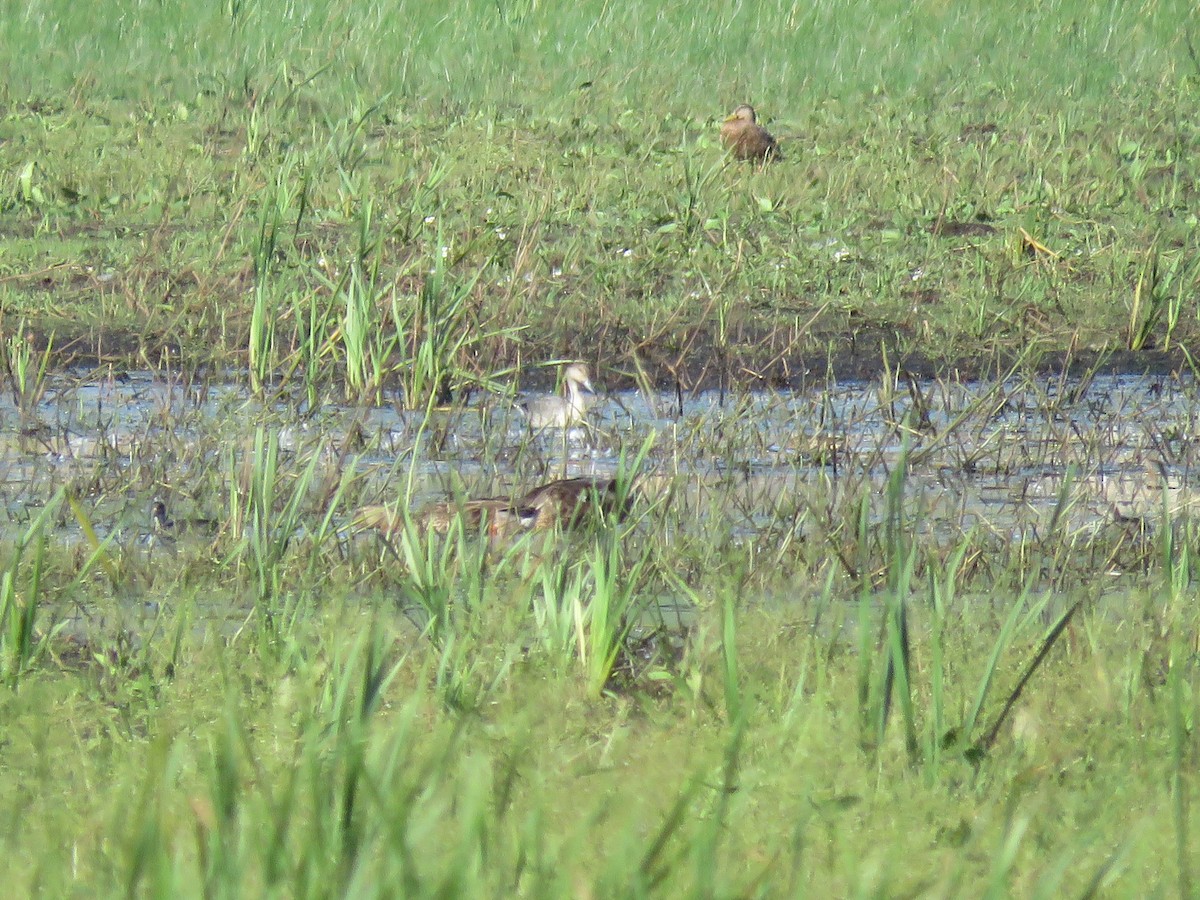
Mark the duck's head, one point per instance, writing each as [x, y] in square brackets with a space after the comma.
[577, 374]
[158, 514]
[744, 113]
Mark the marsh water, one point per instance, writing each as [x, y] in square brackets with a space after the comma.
[1004, 457]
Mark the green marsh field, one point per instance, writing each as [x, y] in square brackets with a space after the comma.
[806, 679]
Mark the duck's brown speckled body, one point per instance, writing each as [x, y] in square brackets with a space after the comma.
[745, 139]
[501, 519]
[566, 503]
[570, 502]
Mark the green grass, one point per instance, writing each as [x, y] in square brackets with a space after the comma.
[559, 173]
[814, 682]
[500, 54]
[343, 769]
[619, 713]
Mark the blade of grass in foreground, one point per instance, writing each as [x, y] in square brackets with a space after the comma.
[1056, 631]
[941, 593]
[98, 547]
[610, 612]
[733, 693]
[18, 617]
[1180, 772]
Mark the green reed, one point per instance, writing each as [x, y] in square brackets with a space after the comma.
[24, 368]
[316, 317]
[365, 343]
[605, 622]
[429, 566]
[1182, 716]
[729, 659]
[21, 598]
[942, 595]
[1177, 541]
[1158, 299]
[586, 593]
[440, 333]
[606, 609]
[706, 849]
[263, 314]
[270, 513]
[557, 603]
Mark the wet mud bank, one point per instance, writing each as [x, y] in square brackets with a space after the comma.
[690, 359]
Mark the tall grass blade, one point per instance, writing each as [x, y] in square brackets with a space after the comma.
[21, 599]
[985, 743]
[729, 655]
[99, 552]
[1180, 774]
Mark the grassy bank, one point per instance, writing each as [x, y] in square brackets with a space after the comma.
[348, 758]
[268, 188]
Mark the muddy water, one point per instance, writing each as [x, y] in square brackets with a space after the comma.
[1004, 457]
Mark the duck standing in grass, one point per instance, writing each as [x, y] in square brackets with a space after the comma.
[553, 411]
[166, 531]
[745, 139]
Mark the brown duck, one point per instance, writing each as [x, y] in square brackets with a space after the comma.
[162, 522]
[745, 139]
[501, 519]
[571, 502]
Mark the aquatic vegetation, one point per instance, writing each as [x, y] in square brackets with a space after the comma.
[25, 369]
[653, 671]
[21, 600]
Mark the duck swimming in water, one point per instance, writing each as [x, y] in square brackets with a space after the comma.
[162, 523]
[553, 411]
[567, 503]
[571, 502]
[501, 519]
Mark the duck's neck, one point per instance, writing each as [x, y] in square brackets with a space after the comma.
[575, 400]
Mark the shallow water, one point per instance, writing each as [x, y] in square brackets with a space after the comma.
[983, 455]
